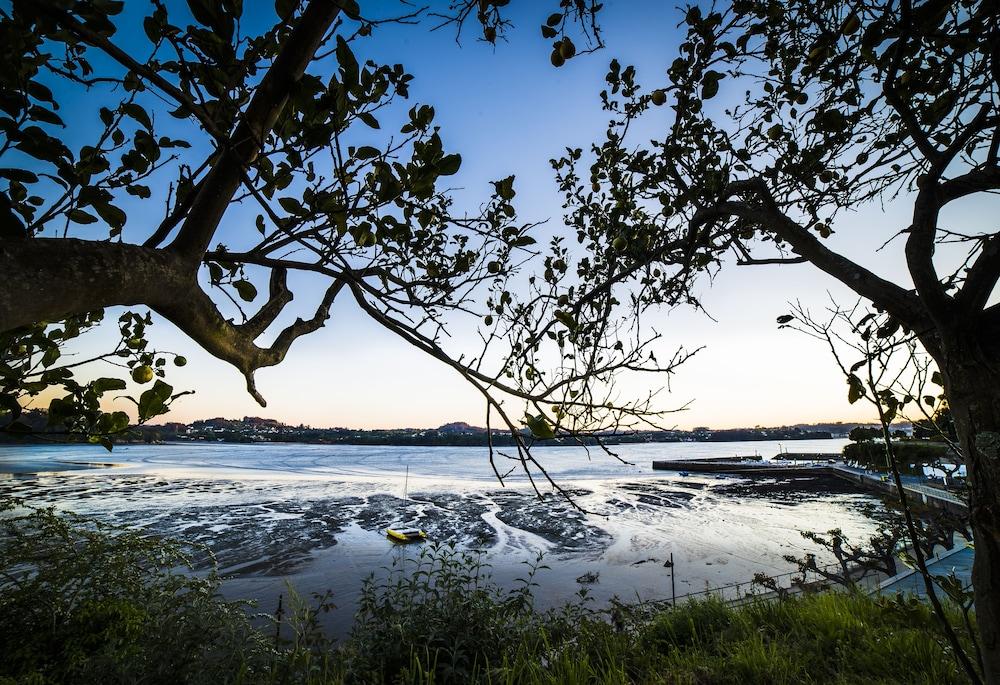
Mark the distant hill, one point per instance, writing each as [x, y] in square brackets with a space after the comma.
[460, 427]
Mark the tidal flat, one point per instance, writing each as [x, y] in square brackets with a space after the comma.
[314, 517]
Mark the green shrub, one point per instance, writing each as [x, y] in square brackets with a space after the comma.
[87, 603]
[443, 613]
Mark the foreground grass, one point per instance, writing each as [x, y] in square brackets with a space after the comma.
[84, 604]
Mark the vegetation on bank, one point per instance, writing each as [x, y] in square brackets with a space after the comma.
[82, 602]
[252, 429]
[912, 455]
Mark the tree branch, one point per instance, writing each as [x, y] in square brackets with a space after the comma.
[279, 295]
[932, 196]
[919, 251]
[241, 150]
[899, 302]
[981, 278]
[69, 22]
[49, 279]
[750, 261]
[909, 119]
[196, 314]
[978, 181]
[984, 273]
[174, 218]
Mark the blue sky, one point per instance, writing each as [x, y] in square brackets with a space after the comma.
[507, 110]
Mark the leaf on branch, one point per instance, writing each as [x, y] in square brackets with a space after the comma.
[539, 427]
[566, 319]
[59, 410]
[291, 205]
[79, 216]
[710, 84]
[103, 385]
[153, 402]
[855, 390]
[284, 8]
[505, 188]
[51, 355]
[370, 120]
[111, 214]
[139, 190]
[139, 114]
[246, 290]
[449, 164]
[20, 175]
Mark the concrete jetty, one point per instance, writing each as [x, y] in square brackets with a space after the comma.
[736, 467]
[824, 466]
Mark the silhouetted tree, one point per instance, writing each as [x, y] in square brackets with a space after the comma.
[278, 128]
[862, 434]
[837, 103]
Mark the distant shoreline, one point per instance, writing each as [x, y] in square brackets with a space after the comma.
[254, 429]
[459, 440]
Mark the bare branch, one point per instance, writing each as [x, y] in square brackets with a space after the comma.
[194, 313]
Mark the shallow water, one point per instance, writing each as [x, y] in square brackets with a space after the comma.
[315, 515]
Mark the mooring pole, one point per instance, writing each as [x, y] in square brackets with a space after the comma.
[277, 624]
[673, 589]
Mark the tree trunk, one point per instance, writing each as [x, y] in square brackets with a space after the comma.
[970, 364]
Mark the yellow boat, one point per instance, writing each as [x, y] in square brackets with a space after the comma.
[405, 534]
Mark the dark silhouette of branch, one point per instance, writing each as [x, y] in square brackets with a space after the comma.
[256, 122]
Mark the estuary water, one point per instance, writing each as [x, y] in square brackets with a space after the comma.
[315, 515]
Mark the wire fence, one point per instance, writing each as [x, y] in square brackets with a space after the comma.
[791, 582]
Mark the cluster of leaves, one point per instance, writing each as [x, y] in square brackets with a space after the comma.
[32, 365]
[939, 426]
[912, 455]
[891, 372]
[569, 15]
[372, 214]
[854, 562]
[52, 184]
[880, 557]
[841, 103]
[883, 364]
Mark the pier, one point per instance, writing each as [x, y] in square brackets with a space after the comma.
[824, 465]
[919, 491]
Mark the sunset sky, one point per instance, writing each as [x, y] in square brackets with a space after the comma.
[508, 111]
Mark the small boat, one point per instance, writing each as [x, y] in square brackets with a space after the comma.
[685, 473]
[405, 534]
